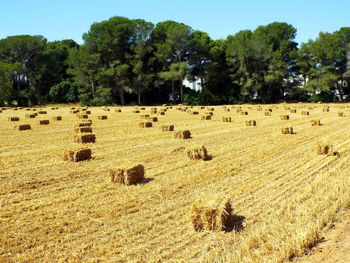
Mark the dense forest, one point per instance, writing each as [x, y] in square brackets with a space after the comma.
[124, 61]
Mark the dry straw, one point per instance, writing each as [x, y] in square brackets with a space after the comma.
[305, 113]
[77, 155]
[85, 138]
[315, 123]
[323, 148]
[197, 152]
[250, 123]
[206, 117]
[167, 127]
[145, 124]
[127, 176]
[22, 127]
[13, 118]
[57, 118]
[30, 116]
[341, 114]
[102, 117]
[83, 124]
[186, 134]
[44, 122]
[287, 130]
[267, 113]
[83, 130]
[284, 117]
[211, 213]
[244, 113]
[226, 119]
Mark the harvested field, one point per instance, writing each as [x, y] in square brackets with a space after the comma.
[282, 192]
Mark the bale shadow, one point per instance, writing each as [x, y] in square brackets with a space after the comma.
[145, 181]
[235, 223]
[208, 158]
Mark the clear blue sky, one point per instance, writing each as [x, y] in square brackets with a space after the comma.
[69, 19]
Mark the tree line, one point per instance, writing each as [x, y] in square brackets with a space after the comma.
[124, 61]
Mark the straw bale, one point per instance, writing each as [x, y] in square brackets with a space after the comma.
[226, 119]
[250, 123]
[197, 152]
[185, 134]
[287, 130]
[145, 124]
[57, 118]
[85, 138]
[83, 130]
[30, 116]
[315, 123]
[77, 155]
[284, 117]
[22, 127]
[102, 117]
[127, 176]
[211, 213]
[44, 122]
[167, 127]
[13, 118]
[206, 117]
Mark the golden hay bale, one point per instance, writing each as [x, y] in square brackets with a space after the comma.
[202, 107]
[102, 117]
[85, 138]
[267, 113]
[244, 113]
[13, 118]
[77, 155]
[88, 112]
[22, 127]
[145, 124]
[209, 113]
[326, 109]
[186, 134]
[293, 111]
[162, 113]
[284, 117]
[268, 110]
[206, 117]
[167, 127]
[197, 152]
[210, 109]
[106, 109]
[117, 110]
[42, 112]
[324, 149]
[259, 109]
[83, 130]
[142, 108]
[144, 116]
[153, 111]
[315, 123]
[74, 111]
[128, 176]
[135, 111]
[30, 116]
[305, 113]
[82, 116]
[287, 130]
[250, 123]
[44, 122]
[211, 213]
[226, 119]
[152, 118]
[57, 118]
[341, 114]
[83, 124]
[194, 112]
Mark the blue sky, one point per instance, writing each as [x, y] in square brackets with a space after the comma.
[69, 19]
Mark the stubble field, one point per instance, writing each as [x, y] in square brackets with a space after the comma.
[283, 193]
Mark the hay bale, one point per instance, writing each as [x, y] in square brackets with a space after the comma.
[57, 118]
[197, 152]
[82, 116]
[167, 127]
[210, 109]
[30, 116]
[226, 119]
[284, 117]
[293, 111]
[77, 155]
[83, 130]
[128, 176]
[106, 109]
[341, 114]
[315, 123]
[209, 113]
[117, 110]
[227, 109]
[83, 124]
[74, 111]
[44, 122]
[85, 138]
[268, 110]
[194, 112]
[135, 111]
[326, 109]
[145, 124]
[268, 113]
[287, 130]
[211, 213]
[102, 117]
[13, 118]
[153, 111]
[305, 113]
[22, 127]
[162, 113]
[244, 113]
[185, 134]
[259, 109]
[324, 149]
[152, 118]
[144, 116]
[42, 112]
[250, 123]
[206, 117]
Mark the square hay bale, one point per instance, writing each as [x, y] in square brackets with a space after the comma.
[30, 116]
[209, 113]
[22, 127]
[42, 112]
[210, 109]
[135, 111]
[310, 108]
[106, 109]
[259, 109]
[153, 111]
[152, 118]
[82, 116]
[162, 113]
[167, 127]
[226, 119]
[194, 112]
[287, 130]
[293, 111]
[341, 114]
[83, 124]
[268, 113]
[250, 123]
[85, 138]
[324, 149]
[57, 118]
[77, 155]
[117, 110]
[44, 122]
[197, 152]
[13, 118]
[315, 123]
[186, 134]
[102, 117]
[268, 110]
[83, 130]
[227, 109]
[128, 176]
[206, 117]
[145, 124]
[244, 113]
[305, 113]
[74, 111]
[284, 117]
[326, 109]
[144, 116]
[142, 108]
[211, 213]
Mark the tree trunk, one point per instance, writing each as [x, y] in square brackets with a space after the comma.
[92, 88]
[121, 96]
[139, 95]
[18, 86]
